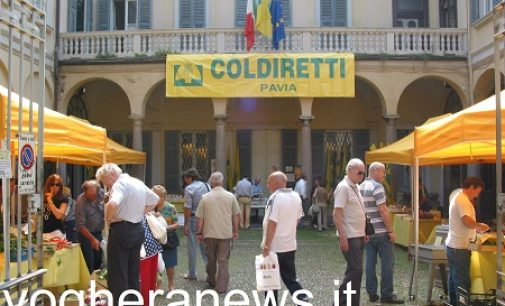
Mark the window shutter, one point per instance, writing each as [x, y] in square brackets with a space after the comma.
[172, 175]
[244, 152]
[318, 161]
[475, 10]
[341, 13]
[199, 18]
[360, 143]
[289, 148]
[185, 19]
[286, 12]
[240, 11]
[89, 15]
[144, 14]
[104, 15]
[327, 13]
[72, 15]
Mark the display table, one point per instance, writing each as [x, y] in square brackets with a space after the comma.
[393, 212]
[66, 268]
[483, 271]
[179, 205]
[404, 228]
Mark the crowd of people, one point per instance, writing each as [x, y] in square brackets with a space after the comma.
[213, 217]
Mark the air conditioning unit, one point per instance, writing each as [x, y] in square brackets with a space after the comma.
[408, 23]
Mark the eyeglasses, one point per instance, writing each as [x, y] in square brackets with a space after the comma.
[361, 173]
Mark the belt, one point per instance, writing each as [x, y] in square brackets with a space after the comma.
[122, 222]
[192, 214]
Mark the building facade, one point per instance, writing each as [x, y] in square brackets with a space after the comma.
[415, 59]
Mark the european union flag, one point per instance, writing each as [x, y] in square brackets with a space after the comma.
[278, 32]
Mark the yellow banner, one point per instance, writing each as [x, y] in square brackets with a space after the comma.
[261, 75]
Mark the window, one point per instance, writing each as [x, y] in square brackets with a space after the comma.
[128, 9]
[192, 14]
[80, 15]
[194, 148]
[333, 13]
[241, 9]
[410, 13]
[480, 8]
[448, 14]
[123, 14]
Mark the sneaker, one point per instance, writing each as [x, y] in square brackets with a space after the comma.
[373, 298]
[189, 277]
[392, 300]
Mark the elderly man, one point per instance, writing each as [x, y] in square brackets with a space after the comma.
[129, 199]
[349, 218]
[193, 193]
[218, 218]
[89, 223]
[244, 194]
[382, 242]
[462, 228]
[283, 211]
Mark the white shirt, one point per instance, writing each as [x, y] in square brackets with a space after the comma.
[459, 235]
[132, 197]
[301, 188]
[284, 208]
[350, 200]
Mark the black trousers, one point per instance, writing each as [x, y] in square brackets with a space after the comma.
[354, 271]
[288, 274]
[92, 257]
[123, 257]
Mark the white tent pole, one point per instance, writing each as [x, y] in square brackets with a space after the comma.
[416, 220]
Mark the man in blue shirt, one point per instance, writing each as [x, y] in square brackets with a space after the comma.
[382, 242]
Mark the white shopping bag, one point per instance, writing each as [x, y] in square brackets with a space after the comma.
[268, 276]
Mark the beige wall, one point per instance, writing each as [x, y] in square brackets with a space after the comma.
[163, 14]
[304, 15]
[266, 151]
[372, 14]
[221, 14]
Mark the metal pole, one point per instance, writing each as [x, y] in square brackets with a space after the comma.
[20, 129]
[497, 84]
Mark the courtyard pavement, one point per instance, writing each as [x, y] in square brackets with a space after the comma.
[318, 261]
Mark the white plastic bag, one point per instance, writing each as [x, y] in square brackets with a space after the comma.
[158, 229]
[268, 276]
[161, 264]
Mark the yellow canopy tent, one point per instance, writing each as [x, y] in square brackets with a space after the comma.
[400, 152]
[67, 139]
[468, 136]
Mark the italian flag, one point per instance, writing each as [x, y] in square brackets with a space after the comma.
[249, 25]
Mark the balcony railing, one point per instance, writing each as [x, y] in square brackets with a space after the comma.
[394, 41]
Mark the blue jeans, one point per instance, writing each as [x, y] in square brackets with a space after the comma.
[379, 244]
[192, 245]
[459, 272]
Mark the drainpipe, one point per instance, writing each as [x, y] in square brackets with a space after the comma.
[469, 53]
[56, 56]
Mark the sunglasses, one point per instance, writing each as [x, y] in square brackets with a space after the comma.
[56, 184]
[361, 173]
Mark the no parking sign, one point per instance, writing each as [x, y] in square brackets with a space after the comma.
[26, 164]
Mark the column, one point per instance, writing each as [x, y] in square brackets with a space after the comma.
[305, 118]
[307, 151]
[390, 128]
[138, 171]
[221, 143]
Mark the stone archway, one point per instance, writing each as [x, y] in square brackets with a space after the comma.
[484, 87]
[3, 74]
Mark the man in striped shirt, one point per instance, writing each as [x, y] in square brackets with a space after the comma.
[382, 242]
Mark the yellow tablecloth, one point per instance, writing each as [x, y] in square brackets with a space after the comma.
[65, 268]
[179, 205]
[483, 267]
[404, 228]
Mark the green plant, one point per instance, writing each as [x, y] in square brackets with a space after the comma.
[140, 54]
[106, 55]
[164, 53]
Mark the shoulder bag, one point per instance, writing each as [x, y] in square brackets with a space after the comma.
[369, 229]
